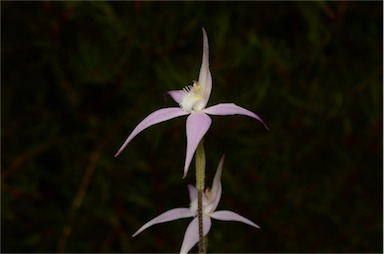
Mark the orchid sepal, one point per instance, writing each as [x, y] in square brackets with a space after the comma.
[232, 216]
[173, 214]
[155, 117]
[226, 109]
[197, 126]
[205, 77]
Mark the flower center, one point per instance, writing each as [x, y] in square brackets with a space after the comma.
[192, 96]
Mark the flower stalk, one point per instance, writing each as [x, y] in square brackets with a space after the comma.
[200, 178]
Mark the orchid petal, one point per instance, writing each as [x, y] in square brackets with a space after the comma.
[231, 216]
[173, 214]
[177, 95]
[192, 192]
[156, 117]
[224, 109]
[205, 77]
[197, 125]
[206, 224]
[216, 187]
[191, 236]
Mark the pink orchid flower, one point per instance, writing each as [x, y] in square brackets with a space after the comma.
[192, 100]
[211, 198]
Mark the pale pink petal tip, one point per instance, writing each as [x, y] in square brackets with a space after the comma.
[231, 216]
[225, 109]
[173, 214]
[156, 117]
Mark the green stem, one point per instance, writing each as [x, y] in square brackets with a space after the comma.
[200, 179]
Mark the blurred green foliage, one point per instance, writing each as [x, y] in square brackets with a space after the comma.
[77, 77]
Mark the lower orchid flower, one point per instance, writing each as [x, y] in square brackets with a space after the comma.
[211, 199]
[192, 101]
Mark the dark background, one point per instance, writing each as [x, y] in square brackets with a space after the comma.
[77, 77]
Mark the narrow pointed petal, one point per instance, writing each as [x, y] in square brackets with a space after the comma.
[205, 77]
[156, 117]
[197, 125]
[191, 236]
[177, 95]
[173, 214]
[231, 216]
[206, 224]
[216, 185]
[224, 109]
[192, 192]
